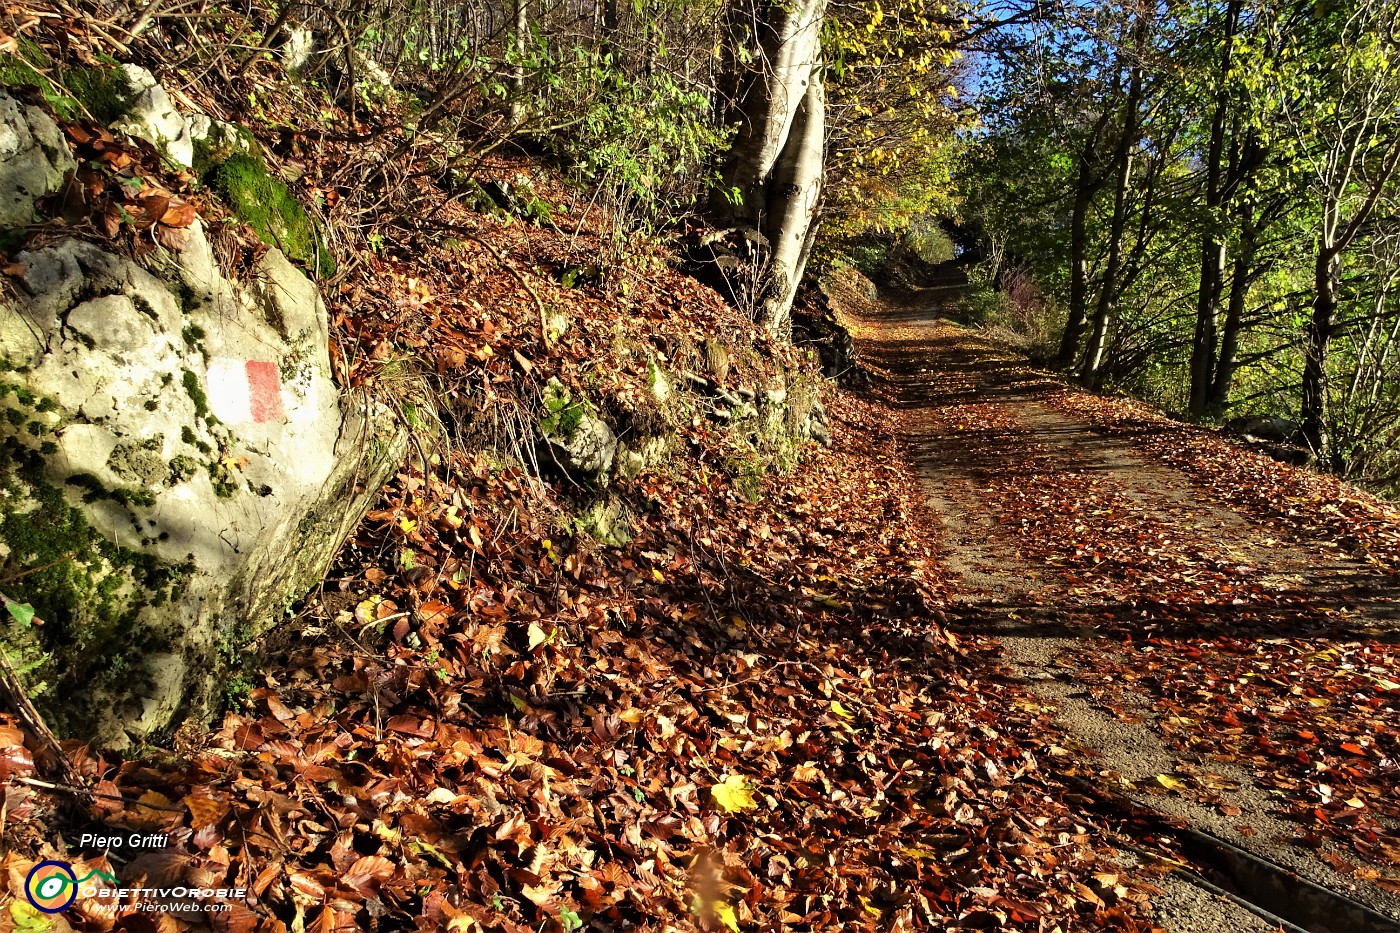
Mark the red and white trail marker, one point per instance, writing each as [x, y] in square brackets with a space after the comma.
[243, 391]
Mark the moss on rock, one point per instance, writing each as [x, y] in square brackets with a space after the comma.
[264, 202]
[562, 412]
[87, 590]
[607, 522]
[103, 92]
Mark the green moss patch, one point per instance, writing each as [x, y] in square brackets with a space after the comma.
[105, 93]
[196, 393]
[89, 592]
[562, 412]
[222, 144]
[264, 202]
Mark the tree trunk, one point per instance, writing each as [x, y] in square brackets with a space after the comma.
[1327, 281]
[1108, 289]
[517, 72]
[797, 181]
[771, 177]
[1087, 185]
[1234, 314]
[1203, 345]
[1079, 268]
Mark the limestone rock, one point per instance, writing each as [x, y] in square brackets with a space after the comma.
[298, 49]
[179, 435]
[34, 160]
[631, 461]
[574, 438]
[607, 522]
[658, 382]
[220, 139]
[1270, 428]
[152, 115]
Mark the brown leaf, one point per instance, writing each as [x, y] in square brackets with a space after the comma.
[179, 214]
[367, 873]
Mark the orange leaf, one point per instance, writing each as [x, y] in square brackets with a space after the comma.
[179, 214]
[206, 809]
[435, 610]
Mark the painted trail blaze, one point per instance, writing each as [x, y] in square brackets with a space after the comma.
[264, 391]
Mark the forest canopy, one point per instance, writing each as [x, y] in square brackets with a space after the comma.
[1199, 203]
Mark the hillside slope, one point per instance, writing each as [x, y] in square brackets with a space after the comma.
[622, 644]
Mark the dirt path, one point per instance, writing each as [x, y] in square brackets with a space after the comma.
[1096, 565]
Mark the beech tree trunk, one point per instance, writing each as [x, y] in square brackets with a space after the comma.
[1203, 345]
[1079, 267]
[797, 188]
[1234, 316]
[772, 177]
[1327, 282]
[1091, 372]
[517, 72]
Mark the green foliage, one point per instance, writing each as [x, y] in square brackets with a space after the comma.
[23, 613]
[1298, 100]
[893, 114]
[929, 243]
[264, 202]
[867, 254]
[649, 135]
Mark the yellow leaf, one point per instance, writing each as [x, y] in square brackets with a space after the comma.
[657, 575]
[869, 908]
[537, 636]
[725, 913]
[734, 794]
[1170, 783]
[840, 710]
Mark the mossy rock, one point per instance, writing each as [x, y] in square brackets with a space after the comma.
[574, 437]
[563, 413]
[104, 92]
[263, 202]
[608, 523]
[87, 590]
[717, 360]
[221, 142]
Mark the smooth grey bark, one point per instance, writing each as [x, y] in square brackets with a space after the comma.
[1109, 285]
[797, 183]
[771, 178]
[517, 72]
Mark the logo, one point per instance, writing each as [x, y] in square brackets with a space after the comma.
[52, 886]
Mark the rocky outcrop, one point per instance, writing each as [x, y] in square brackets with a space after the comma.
[1280, 438]
[34, 159]
[815, 324]
[153, 116]
[574, 439]
[176, 463]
